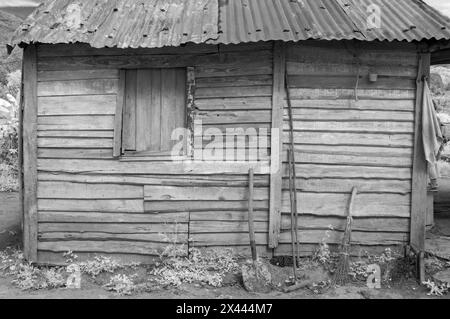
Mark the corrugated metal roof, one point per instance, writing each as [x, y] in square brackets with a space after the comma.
[122, 23]
[157, 23]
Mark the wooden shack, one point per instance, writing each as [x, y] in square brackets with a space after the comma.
[106, 82]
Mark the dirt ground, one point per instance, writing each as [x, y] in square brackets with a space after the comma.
[9, 219]
[90, 291]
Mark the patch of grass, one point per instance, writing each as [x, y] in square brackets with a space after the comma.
[122, 285]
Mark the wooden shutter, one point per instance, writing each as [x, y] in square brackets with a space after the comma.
[154, 105]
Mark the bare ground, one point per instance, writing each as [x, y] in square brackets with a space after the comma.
[90, 291]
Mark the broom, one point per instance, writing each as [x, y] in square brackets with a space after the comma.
[343, 265]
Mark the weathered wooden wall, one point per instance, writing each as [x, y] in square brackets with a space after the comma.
[342, 141]
[91, 203]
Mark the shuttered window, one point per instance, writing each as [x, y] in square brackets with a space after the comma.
[154, 104]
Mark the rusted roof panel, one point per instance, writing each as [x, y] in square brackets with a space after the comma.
[158, 23]
[296, 20]
[122, 23]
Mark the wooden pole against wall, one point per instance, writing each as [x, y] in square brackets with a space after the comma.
[420, 171]
[30, 223]
[276, 175]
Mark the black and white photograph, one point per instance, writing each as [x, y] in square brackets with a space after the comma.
[240, 152]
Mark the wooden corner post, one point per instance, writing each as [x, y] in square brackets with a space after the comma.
[276, 174]
[30, 218]
[420, 171]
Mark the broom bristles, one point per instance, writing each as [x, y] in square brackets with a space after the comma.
[343, 266]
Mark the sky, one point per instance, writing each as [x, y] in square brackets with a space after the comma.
[442, 5]
[18, 3]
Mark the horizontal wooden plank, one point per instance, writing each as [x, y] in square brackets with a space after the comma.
[334, 139]
[133, 168]
[358, 251]
[323, 157]
[81, 105]
[255, 67]
[180, 238]
[304, 158]
[342, 185]
[340, 81]
[209, 206]
[372, 46]
[44, 76]
[150, 61]
[105, 205]
[95, 143]
[400, 225]
[232, 81]
[75, 153]
[223, 117]
[228, 216]
[227, 239]
[227, 92]
[366, 205]
[93, 217]
[233, 103]
[68, 190]
[172, 193]
[78, 87]
[71, 123]
[310, 114]
[112, 247]
[218, 227]
[77, 134]
[159, 180]
[250, 46]
[349, 94]
[323, 68]
[236, 128]
[310, 54]
[358, 238]
[121, 228]
[351, 104]
[354, 150]
[356, 126]
[349, 171]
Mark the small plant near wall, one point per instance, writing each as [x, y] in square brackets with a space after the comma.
[435, 289]
[208, 267]
[122, 285]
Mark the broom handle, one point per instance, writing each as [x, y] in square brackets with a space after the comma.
[350, 212]
[352, 201]
[251, 223]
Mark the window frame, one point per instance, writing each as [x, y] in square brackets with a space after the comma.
[188, 153]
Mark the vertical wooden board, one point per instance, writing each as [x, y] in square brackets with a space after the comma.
[155, 111]
[30, 153]
[190, 109]
[420, 173]
[118, 117]
[143, 109]
[168, 107]
[279, 69]
[129, 128]
[180, 100]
